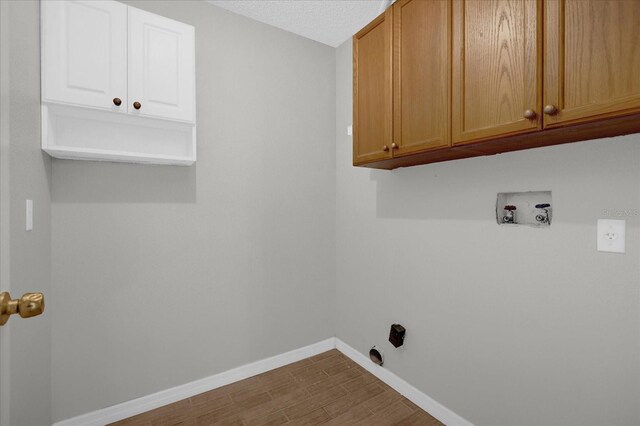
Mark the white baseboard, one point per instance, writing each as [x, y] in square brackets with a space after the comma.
[414, 395]
[159, 399]
[156, 400]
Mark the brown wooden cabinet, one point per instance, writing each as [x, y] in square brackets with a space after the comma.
[444, 79]
[372, 91]
[421, 75]
[592, 59]
[497, 66]
[403, 109]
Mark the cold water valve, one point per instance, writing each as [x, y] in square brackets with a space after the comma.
[509, 214]
[543, 217]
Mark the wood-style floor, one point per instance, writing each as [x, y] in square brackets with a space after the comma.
[327, 389]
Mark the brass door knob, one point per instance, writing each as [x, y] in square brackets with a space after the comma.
[29, 305]
[529, 114]
[394, 146]
[550, 109]
[137, 105]
[117, 101]
[385, 148]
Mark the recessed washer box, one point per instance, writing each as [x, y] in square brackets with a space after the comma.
[532, 208]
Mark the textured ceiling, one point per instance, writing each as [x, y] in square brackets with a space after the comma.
[327, 21]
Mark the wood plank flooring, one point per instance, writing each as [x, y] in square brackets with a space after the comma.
[327, 389]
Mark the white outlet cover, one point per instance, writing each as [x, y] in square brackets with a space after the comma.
[611, 235]
[349, 130]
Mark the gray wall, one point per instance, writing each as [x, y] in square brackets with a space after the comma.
[505, 325]
[164, 275]
[27, 257]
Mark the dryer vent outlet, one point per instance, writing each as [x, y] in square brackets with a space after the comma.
[376, 356]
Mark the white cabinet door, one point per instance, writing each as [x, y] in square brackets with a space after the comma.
[84, 59]
[161, 67]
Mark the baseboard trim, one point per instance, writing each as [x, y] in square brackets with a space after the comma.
[159, 399]
[156, 400]
[422, 400]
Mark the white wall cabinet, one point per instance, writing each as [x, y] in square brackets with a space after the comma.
[85, 53]
[118, 84]
[161, 66]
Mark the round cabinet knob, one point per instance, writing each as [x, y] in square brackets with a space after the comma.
[394, 146]
[117, 101]
[550, 109]
[385, 148]
[137, 105]
[529, 114]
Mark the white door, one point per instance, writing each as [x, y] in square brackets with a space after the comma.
[4, 205]
[25, 344]
[161, 67]
[85, 48]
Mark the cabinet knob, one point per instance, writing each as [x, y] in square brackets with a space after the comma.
[385, 148]
[529, 114]
[550, 109]
[117, 101]
[394, 146]
[137, 105]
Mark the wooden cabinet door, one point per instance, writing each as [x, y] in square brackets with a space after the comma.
[496, 68]
[421, 69]
[84, 54]
[161, 67]
[592, 59]
[372, 91]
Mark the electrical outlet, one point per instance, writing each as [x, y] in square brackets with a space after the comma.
[611, 235]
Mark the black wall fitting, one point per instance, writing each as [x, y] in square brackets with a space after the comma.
[396, 335]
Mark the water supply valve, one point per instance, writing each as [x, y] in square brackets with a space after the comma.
[509, 214]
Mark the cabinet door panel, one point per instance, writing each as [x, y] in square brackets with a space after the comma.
[592, 59]
[161, 67]
[496, 68]
[372, 88]
[84, 53]
[421, 59]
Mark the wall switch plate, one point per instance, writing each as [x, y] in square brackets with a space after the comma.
[349, 130]
[611, 235]
[29, 215]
